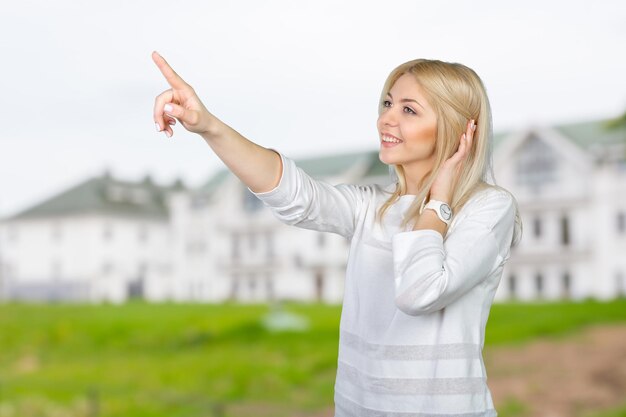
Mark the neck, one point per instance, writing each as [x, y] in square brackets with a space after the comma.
[413, 176]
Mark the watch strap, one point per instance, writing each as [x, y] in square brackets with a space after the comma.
[443, 210]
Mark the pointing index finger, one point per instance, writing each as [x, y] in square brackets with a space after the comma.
[170, 75]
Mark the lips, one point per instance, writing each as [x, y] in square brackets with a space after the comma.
[386, 138]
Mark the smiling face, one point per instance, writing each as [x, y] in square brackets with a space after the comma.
[407, 128]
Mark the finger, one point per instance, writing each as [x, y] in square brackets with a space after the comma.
[471, 127]
[170, 75]
[460, 152]
[159, 102]
[170, 120]
[470, 135]
[184, 115]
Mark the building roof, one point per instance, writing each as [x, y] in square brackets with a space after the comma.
[146, 199]
[317, 167]
[595, 133]
[106, 195]
[332, 165]
[589, 134]
[586, 135]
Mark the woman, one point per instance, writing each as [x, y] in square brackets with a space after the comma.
[427, 252]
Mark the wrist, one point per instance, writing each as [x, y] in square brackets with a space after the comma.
[215, 130]
[441, 208]
[440, 197]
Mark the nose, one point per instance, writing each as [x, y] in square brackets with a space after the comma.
[387, 118]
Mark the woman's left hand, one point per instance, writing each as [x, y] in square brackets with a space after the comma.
[449, 173]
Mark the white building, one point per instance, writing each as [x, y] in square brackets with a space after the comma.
[111, 240]
[96, 241]
[570, 183]
[250, 256]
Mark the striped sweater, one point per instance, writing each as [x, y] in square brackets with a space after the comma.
[415, 304]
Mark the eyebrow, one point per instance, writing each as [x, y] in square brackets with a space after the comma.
[405, 100]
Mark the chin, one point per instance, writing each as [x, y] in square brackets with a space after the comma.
[385, 158]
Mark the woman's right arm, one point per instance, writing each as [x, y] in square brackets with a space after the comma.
[257, 167]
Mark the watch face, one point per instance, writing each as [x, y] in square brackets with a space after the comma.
[446, 212]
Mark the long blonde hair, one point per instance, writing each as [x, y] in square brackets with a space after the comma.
[456, 94]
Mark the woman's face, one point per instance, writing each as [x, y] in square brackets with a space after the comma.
[407, 127]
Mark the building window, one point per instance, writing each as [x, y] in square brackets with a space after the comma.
[565, 237]
[319, 285]
[537, 226]
[539, 285]
[567, 284]
[56, 232]
[12, 235]
[269, 238]
[107, 268]
[107, 233]
[536, 164]
[297, 261]
[142, 268]
[236, 243]
[6, 272]
[139, 196]
[269, 286]
[56, 270]
[252, 284]
[252, 241]
[621, 222]
[196, 247]
[620, 284]
[142, 234]
[512, 286]
[251, 203]
[234, 286]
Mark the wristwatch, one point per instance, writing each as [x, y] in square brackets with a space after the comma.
[443, 210]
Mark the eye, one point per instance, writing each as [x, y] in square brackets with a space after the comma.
[386, 103]
[410, 110]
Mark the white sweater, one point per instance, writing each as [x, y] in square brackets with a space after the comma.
[415, 304]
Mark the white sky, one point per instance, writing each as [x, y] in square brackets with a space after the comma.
[78, 84]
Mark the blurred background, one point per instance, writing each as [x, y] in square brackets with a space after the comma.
[139, 277]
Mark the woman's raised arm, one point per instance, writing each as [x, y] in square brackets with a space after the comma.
[257, 167]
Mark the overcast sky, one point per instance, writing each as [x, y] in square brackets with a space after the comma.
[78, 84]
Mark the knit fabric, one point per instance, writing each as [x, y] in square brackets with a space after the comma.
[415, 304]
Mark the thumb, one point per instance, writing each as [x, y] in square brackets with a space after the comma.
[186, 116]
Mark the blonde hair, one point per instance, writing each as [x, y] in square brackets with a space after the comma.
[456, 94]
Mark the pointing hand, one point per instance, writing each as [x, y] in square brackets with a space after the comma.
[179, 102]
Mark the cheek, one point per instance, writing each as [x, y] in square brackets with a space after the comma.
[424, 137]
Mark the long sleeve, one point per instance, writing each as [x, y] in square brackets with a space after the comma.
[430, 274]
[302, 201]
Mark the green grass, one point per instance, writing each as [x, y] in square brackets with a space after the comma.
[149, 360]
[515, 323]
[619, 412]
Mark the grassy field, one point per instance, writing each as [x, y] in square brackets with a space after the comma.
[147, 360]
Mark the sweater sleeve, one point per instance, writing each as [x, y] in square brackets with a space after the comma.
[302, 201]
[430, 273]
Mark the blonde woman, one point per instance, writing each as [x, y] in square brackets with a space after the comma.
[426, 253]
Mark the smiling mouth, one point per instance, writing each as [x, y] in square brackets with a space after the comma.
[390, 139]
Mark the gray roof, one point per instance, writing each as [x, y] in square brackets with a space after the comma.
[146, 199]
[317, 167]
[331, 165]
[584, 134]
[601, 132]
[596, 133]
[106, 195]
